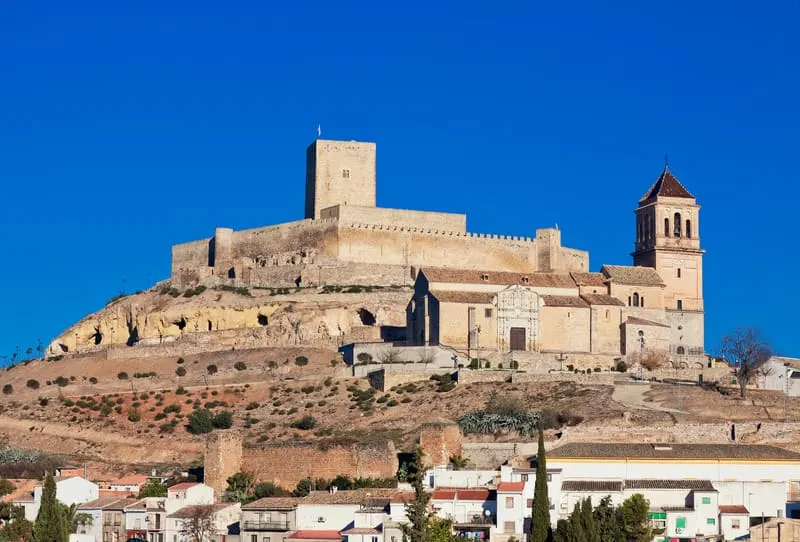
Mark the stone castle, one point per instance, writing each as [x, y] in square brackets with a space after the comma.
[474, 292]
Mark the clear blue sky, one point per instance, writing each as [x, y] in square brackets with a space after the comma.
[128, 127]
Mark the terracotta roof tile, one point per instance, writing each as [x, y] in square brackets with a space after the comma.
[273, 503]
[672, 451]
[603, 486]
[564, 301]
[361, 530]
[184, 485]
[450, 296]
[460, 494]
[698, 485]
[589, 279]
[353, 496]
[642, 322]
[632, 275]
[314, 535]
[667, 186]
[602, 299]
[733, 509]
[131, 480]
[470, 276]
[510, 486]
[189, 511]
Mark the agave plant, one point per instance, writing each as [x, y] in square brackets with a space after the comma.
[479, 421]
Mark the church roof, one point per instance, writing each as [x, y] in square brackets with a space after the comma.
[602, 299]
[588, 279]
[633, 275]
[453, 296]
[504, 278]
[564, 301]
[642, 322]
[667, 186]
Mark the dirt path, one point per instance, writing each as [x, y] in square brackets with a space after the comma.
[633, 396]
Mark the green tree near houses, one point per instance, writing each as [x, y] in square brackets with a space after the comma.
[540, 514]
[633, 519]
[605, 518]
[418, 527]
[51, 523]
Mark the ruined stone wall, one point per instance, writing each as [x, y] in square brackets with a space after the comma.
[439, 442]
[285, 465]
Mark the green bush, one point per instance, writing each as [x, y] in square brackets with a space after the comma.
[180, 371]
[172, 408]
[8, 389]
[200, 421]
[181, 391]
[212, 369]
[144, 375]
[122, 375]
[252, 405]
[180, 361]
[32, 384]
[240, 366]
[223, 420]
[305, 423]
[61, 381]
[445, 381]
[621, 366]
[392, 402]
[301, 361]
[307, 389]
[134, 415]
[93, 380]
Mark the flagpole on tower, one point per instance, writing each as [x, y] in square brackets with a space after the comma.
[319, 131]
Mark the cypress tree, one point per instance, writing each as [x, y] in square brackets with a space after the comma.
[418, 529]
[50, 525]
[540, 515]
[590, 531]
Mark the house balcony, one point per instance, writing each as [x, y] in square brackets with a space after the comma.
[474, 523]
[265, 526]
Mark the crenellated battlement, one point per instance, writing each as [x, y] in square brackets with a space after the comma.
[442, 233]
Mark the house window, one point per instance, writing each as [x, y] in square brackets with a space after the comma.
[711, 521]
[508, 527]
[484, 277]
[549, 477]
[706, 500]
[679, 272]
[374, 539]
[265, 539]
[487, 313]
[735, 523]
[629, 301]
[509, 502]
[346, 173]
[524, 477]
[525, 280]
[682, 351]
[635, 299]
[680, 523]
[253, 538]
[680, 304]
[345, 538]
[608, 314]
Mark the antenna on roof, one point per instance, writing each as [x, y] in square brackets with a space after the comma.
[666, 161]
[319, 131]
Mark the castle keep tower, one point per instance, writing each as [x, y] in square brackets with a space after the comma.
[339, 173]
[668, 239]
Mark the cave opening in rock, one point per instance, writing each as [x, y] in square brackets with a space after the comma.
[298, 281]
[232, 273]
[63, 347]
[97, 336]
[263, 320]
[210, 327]
[133, 336]
[180, 323]
[367, 318]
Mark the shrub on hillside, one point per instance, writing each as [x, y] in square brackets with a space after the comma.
[201, 421]
[122, 375]
[8, 389]
[134, 415]
[32, 384]
[180, 371]
[93, 380]
[180, 361]
[223, 420]
[61, 381]
[305, 423]
[212, 369]
[301, 361]
[240, 366]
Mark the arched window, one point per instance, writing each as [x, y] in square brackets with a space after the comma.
[688, 229]
[681, 350]
[641, 301]
[651, 233]
[677, 223]
[635, 299]
[666, 227]
[629, 301]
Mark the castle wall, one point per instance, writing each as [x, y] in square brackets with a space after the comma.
[352, 214]
[193, 255]
[339, 172]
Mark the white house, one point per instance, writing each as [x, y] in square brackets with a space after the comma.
[129, 484]
[528, 476]
[511, 517]
[781, 374]
[443, 476]
[69, 491]
[472, 510]
[188, 493]
[225, 519]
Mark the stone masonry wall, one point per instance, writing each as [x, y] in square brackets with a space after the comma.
[223, 458]
[351, 214]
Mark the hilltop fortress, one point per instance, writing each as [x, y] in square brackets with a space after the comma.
[346, 239]
[477, 294]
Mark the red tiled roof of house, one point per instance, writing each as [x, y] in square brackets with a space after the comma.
[667, 186]
[510, 486]
[111, 493]
[405, 496]
[23, 488]
[315, 535]
[475, 494]
[733, 509]
[184, 485]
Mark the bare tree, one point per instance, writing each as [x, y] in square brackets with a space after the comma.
[747, 350]
[653, 359]
[198, 526]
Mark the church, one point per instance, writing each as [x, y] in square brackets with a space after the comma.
[654, 305]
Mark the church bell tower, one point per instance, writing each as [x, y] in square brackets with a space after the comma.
[668, 239]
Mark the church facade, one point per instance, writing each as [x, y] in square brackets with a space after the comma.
[654, 305]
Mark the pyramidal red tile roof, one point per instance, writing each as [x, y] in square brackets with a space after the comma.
[667, 186]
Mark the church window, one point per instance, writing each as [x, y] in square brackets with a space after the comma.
[688, 229]
[629, 301]
[525, 280]
[679, 272]
[608, 314]
[346, 173]
[635, 299]
[641, 301]
[666, 227]
[680, 304]
[484, 277]
[487, 313]
[677, 221]
[681, 350]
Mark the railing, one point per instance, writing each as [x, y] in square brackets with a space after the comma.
[477, 520]
[266, 526]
